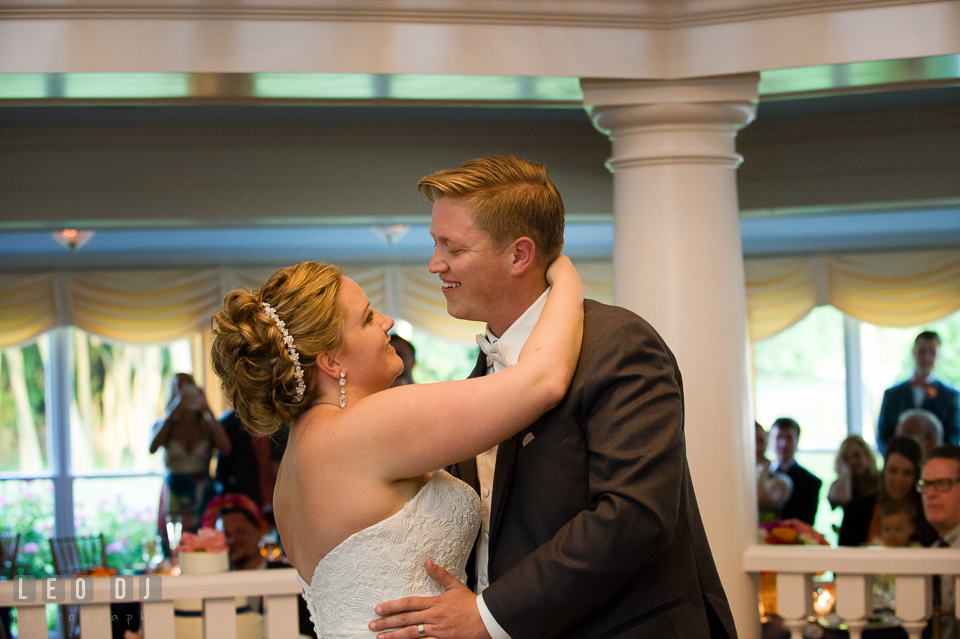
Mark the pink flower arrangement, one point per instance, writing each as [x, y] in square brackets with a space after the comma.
[790, 531]
[206, 540]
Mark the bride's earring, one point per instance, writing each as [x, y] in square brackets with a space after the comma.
[343, 390]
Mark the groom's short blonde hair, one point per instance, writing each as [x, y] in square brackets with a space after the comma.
[508, 198]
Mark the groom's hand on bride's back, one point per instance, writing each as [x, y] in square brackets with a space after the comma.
[452, 615]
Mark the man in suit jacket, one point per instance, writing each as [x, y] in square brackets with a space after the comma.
[805, 497]
[924, 391]
[591, 526]
[941, 507]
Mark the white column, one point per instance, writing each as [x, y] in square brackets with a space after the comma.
[678, 262]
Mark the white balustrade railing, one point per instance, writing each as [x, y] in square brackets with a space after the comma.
[794, 566]
[854, 570]
[279, 589]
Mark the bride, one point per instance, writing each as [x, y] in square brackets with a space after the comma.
[356, 504]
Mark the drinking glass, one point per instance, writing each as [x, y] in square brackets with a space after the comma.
[152, 551]
[174, 524]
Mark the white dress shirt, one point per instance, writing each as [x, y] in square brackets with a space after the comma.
[919, 392]
[511, 342]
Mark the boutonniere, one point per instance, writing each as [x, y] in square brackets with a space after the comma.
[930, 391]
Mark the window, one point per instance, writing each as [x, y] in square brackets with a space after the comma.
[23, 424]
[119, 390]
[800, 373]
[825, 365]
[114, 394]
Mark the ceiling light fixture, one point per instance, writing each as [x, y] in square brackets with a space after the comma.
[72, 239]
[390, 234]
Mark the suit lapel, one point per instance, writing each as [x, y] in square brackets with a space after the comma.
[466, 470]
[908, 399]
[502, 476]
[506, 454]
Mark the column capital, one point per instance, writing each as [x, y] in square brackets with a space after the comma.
[742, 87]
[672, 121]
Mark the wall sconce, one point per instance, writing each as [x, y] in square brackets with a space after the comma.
[71, 239]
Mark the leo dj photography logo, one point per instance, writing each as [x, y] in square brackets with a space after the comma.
[77, 590]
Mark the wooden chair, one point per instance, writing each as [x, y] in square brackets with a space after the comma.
[76, 554]
[9, 547]
[70, 556]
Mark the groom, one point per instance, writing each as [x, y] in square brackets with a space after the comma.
[590, 523]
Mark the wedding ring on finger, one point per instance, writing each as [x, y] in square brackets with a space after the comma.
[421, 631]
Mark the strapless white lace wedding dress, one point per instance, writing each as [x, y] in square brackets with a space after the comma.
[386, 560]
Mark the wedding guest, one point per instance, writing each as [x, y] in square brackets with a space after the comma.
[923, 426]
[901, 469]
[244, 527]
[189, 435]
[408, 355]
[897, 525]
[923, 390]
[857, 474]
[805, 497]
[773, 489]
[940, 487]
[238, 472]
[896, 531]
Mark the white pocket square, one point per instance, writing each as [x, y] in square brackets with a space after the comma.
[528, 439]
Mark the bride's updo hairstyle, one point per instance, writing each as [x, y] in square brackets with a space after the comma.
[249, 355]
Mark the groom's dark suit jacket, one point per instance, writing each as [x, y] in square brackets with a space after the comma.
[595, 530]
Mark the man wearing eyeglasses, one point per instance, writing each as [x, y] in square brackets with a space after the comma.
[940, 488]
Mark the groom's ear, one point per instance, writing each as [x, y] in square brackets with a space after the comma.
[524, 253]
[328, 364]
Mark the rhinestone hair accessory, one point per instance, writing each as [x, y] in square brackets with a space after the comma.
[291, 350]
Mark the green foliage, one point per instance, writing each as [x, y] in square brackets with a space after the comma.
[439, 360]
[34, 381]
[100, 506]
[26, 507]
[805, 349]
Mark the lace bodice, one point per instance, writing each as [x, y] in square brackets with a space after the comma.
[386, 560]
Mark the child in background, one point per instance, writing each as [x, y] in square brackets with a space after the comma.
[896, 524]
[896, 528]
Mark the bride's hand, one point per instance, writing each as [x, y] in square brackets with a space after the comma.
[562, 271]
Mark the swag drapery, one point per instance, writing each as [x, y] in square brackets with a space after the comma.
[886, 289]
[157, 306]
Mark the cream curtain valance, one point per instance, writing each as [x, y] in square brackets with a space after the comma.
[890, 289]
[886, 289]
[156, 307]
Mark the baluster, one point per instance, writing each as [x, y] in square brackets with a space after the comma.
[95, 621]
[956, 595]
[794, 600]
[220, 618]
[281, 617]
[854, 601]
[158, 620]
[913, 603]
[32, 621]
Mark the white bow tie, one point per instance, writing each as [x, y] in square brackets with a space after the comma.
[494, 351]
